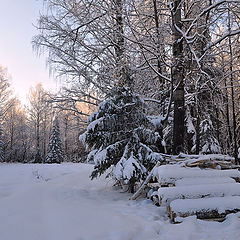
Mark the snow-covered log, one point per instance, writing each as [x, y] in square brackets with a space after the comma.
[169, 174]
[168, 194]
[218, 157]
[203, 161]
[206, 180]
[215, 208]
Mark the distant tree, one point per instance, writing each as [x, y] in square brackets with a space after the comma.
[16, 133]
[55, 153]
[14, 138]
[39, 111]
[5, 92]
[71, 126]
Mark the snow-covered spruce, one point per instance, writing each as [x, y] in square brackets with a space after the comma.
[55, 154]
[208, 142]
[121, 137]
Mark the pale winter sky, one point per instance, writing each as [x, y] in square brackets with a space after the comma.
[16, 31]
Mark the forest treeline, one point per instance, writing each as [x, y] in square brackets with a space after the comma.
[175, 63]
[25, 130]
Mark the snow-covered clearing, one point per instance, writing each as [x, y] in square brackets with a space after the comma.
[60, 202]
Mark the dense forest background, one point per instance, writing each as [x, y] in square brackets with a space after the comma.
[180, 57]
[26, 129]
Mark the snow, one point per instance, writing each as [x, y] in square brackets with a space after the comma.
[206, 180]
[168, 194]
[126, 168]
[170, 173]
[93, 124]
[156, 120]
[100, 156]
[220, 204]
[59, 202]
[189, 123]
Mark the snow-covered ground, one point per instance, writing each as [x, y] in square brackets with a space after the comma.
[60, 202]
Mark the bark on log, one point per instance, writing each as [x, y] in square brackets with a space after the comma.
[204, 215]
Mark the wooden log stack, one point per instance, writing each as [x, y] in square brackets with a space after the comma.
[206, 193]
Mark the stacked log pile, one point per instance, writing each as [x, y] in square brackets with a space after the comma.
[189, 186]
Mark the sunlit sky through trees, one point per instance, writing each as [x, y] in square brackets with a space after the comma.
[17, 20]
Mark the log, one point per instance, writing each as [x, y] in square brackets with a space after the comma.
[144, 184]
[168, 174]
[206, 209]
[168, 194]
[208, 163]
[212, 215]
[206, 180]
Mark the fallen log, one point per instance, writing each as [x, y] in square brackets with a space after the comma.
[207, 208]
[169, 174]
[168, 194]
[206, 180]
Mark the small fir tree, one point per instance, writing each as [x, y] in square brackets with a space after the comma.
[55, 154]
[120, 138]
[208, 141]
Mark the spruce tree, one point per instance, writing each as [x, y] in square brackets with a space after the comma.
[121, 138]
[55, 154]
[208, 141]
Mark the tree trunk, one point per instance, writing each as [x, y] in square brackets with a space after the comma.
[158, 42]
[44, 136]
[178, 80]
[232, 95]
[66, 135]
[122, 72]
[233, 107]
[38, 133]
[226, 102]
[197, 133]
